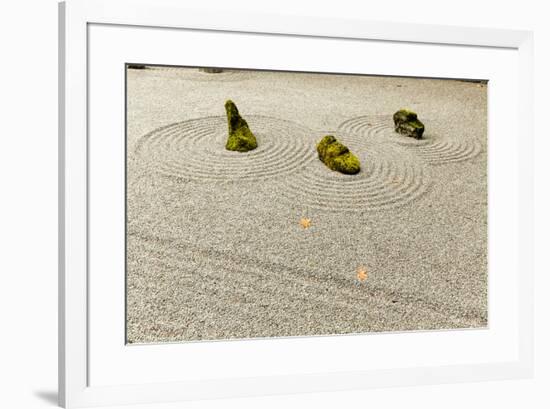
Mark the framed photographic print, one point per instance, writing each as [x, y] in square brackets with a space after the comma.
[258, 204]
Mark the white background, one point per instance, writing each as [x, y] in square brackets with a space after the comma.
[28, 214]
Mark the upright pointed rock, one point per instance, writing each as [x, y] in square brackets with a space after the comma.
[407, 123]
[240, 137]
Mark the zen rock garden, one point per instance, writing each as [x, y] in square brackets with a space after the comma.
[270, 204]
[335, 155]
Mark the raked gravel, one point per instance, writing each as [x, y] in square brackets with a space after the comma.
[215, 249]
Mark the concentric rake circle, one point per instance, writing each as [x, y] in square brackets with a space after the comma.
[387, 179]
[435, 149]
[195, 150]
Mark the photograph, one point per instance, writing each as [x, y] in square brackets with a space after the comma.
[265, 204]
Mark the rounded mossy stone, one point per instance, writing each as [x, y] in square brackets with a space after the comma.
[337, 157]
[240, 138]
[407, 123]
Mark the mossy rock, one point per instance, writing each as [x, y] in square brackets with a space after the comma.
[407, 123]
[240, 138]
[337, 156]
[211, 70]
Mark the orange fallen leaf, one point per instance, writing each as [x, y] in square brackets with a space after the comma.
[362, 274]
[305, 222]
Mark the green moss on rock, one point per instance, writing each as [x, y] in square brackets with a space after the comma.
[337, 156]
[407, 123]
[240, 138]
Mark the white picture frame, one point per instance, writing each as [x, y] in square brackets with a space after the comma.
[75, 361]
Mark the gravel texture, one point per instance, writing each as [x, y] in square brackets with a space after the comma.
[215, 248]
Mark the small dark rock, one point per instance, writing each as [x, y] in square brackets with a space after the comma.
[211, 70]
[407, 123]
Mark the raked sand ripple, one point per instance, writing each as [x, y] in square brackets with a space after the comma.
[434, 149]
[388, 179]
[195, 150]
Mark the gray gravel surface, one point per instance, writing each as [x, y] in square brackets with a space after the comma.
[214, 245]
